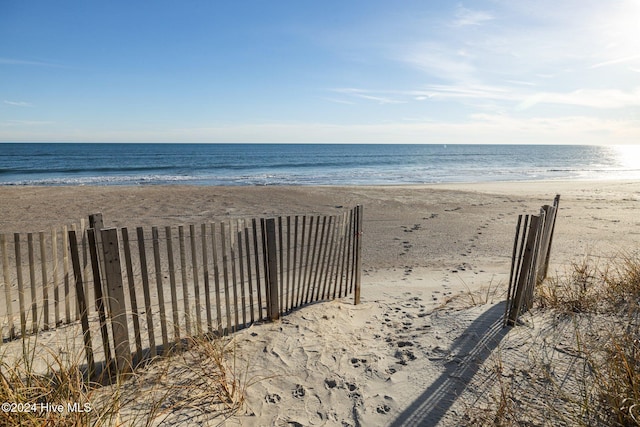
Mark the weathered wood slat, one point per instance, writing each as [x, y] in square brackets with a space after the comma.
[249, 281]
[265, 265]
[7, 287]
[19, 278]
[81, 251]
[135, 312]
[302, 265]
[84, 319]
[337, 287]
[257, 266]
[185, 282]
[344, 274]
[65, 267]
[556, 206]
[308, 269]
[99, 298]
[294, 268]
[358, 258]
[533, 279]
[513, 269]
[205, 276]
[234, 279]
[272, 261]
[352, 257]
[118, 311]
[225, 269]
[45, 281]
[32, 284]
[280, 261]
[335, 247]
[313, 267]
[160, 289]
[144, 272]
[54, 276]
[324, 270]
[525, 271]
[172, 283]
[196, 285]
[318, 267]
[216, 278]
[287, 307]
[243, 296]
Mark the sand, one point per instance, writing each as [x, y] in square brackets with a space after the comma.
[410, 353]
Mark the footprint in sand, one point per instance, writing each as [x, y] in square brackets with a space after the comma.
[298, 392]
[404, 356]
[356, 362]
[272, 398]
[313, 407]
[383, 409]
[330, 383]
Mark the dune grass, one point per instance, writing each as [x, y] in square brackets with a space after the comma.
[49, 387]
[583, 367]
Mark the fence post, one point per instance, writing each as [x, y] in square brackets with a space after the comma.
[86, 333]
[533, 280]
[7, 286]
[525, 272]
[97, 286]
[119, 326]
[272, 277]
[358, 250]
[96, 222]
[556, 206]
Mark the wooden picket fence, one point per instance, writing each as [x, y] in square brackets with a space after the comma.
[147, 290]
[530, 259]
[37, 281]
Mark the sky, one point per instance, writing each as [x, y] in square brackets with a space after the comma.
[439, 72]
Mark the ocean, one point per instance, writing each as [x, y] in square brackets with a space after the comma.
[307, 164]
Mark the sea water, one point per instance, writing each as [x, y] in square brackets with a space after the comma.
[305, 164]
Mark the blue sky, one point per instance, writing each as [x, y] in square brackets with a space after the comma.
[497, 71]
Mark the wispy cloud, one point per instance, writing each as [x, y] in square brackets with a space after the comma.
[368, 95]
[468, 91]
[602, 99]
[465, 17]
[616, 61]
[18, 103]
[339, 101]
[440, 61]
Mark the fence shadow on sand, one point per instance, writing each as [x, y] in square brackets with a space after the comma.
[473, 347]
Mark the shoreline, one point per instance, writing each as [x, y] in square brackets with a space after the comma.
[563, 180]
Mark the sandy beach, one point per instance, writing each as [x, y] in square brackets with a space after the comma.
[435, 270]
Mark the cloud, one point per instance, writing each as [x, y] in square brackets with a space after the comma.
[367, 95]
[616, 61]
[601, 99]
[18, 103]
[468, 91]
[339, 101]
[465, 17]
[440, 61]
